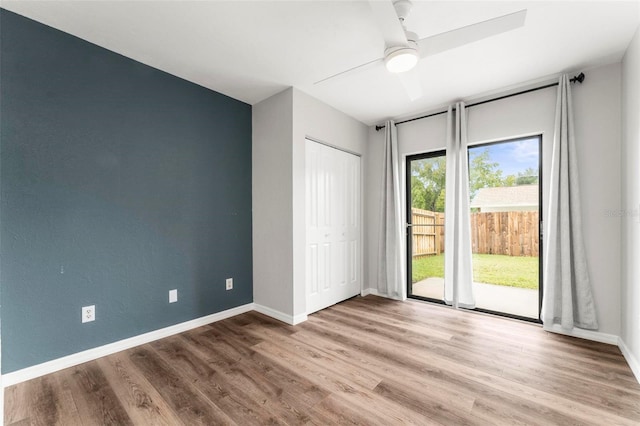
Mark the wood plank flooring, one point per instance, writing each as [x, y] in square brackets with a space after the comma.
[365, 361]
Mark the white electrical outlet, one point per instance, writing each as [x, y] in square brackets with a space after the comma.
[173, 296]
[88, 313]
[229, 283]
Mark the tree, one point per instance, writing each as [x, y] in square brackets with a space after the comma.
[428, 183]
[527, 177]
[483, 173]
[428, 179]
[510, 181]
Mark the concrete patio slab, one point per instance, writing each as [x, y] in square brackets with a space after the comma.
[498, 298]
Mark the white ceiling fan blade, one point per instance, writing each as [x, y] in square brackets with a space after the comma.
[351, 71]
[388, 22]
[392, 31]
[411, 82]
[474, 32]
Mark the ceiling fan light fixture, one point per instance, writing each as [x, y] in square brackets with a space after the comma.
[402, 59]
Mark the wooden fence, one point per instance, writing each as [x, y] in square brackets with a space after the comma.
[428, 232]
[512, 233]
[508, 233]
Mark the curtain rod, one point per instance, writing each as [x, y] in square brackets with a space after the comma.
[579, 78]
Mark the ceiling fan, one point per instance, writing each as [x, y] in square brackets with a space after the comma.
[403, 48]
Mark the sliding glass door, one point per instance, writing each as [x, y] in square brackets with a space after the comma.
[425, 225]
[505, 202]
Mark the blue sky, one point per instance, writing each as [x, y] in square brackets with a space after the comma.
[513, 157]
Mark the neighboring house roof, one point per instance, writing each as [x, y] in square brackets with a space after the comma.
[506, 196]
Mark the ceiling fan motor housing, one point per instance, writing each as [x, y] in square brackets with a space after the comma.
[399, 59]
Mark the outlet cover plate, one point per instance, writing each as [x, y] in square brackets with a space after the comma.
[88, 313]
[229, 284]
[173, 296]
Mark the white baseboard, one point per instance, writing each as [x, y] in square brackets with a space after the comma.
[633, 362]
[111, 348]
[375, 292]
[368, 291]
[596, 336]
[280, 316]
[95, 353]
[297, 319]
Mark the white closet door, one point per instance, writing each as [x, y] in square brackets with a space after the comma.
[333, 226]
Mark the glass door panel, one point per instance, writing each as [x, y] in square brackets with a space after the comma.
[504, 191]
[425, 225]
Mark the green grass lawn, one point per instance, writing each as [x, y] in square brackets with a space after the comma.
[487, 268]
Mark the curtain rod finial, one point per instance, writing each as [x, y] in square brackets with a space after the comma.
[579, 78]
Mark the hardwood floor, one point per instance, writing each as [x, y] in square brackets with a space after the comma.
[365, 361]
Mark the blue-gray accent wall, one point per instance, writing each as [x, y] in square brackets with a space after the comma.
[118, 183]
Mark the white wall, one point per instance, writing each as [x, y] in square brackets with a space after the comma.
[371, 184]
[597, 113]
[280, 126]
[630, 220]
[317, 121]
[598, 135]
[272, 206]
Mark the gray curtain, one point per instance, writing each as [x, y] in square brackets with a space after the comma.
[458, 272]
[568, 299]
[391, 273]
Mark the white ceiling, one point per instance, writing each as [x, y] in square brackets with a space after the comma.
[252, 50]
